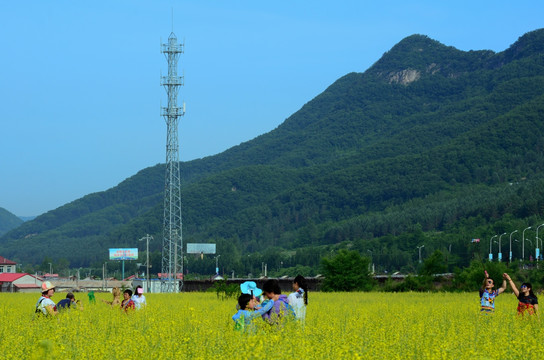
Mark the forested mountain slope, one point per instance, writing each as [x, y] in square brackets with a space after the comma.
[8, 221]
[428, 135]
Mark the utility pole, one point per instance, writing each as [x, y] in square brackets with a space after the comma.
[419, 248]
[147, 238]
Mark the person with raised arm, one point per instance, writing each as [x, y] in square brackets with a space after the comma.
[528, 302]
[488, 294]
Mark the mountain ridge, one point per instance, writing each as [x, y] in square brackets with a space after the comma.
[8, 221]
[370, 142]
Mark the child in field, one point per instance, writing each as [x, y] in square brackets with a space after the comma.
[243, 319]
[299, 298]
[67, 303]
[488, 295]
[528, 302]
[250, 287]
[281, 309]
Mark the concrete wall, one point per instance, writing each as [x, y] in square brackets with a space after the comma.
[286, 284]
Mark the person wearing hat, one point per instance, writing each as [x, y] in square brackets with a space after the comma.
[250, 288]
[46, 306]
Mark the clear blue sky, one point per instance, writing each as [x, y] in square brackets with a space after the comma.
[79, 82]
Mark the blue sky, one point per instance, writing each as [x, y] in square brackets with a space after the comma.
[80, 91]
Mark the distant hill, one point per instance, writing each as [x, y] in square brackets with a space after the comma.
[430, 144]
[8, 221]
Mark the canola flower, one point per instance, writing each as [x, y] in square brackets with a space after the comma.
[338, 325]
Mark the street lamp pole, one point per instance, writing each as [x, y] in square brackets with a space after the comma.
[500, 248]
[371, 259]
[217, 264]
[147, 238]
[523, 244]
[490, 251]
[419, 248]
[537, 248]
[510, 255]
[50, 269]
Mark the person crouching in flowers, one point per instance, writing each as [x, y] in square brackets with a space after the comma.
[127, 303]
[243, 319]
[528, 302]
[488, 295]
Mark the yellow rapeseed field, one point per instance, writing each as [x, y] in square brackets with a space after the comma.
[338, 325]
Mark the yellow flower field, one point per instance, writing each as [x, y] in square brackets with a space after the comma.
[338, 325]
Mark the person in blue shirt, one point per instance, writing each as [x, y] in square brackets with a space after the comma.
[488, 295]
[243, 319]
[68, 303]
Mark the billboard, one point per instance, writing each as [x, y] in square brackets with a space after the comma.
[200, 248]
[124, 254]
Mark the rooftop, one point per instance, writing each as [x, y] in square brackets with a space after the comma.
[4, 261]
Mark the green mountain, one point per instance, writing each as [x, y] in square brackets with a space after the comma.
[429, 145]
[8, 221]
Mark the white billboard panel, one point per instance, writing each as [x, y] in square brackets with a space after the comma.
[200, 248]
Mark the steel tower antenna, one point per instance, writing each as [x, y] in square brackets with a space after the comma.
[172, 244]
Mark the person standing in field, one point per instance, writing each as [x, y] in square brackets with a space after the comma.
[139, 298]
[488, 295]
[127, 303]
[299, 298]
[46, 306]
[281, 308]
[528, 302]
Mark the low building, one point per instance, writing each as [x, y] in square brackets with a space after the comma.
[7, 266]
[20, 282]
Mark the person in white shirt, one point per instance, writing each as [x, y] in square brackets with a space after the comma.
[299, 298]
[139, 298]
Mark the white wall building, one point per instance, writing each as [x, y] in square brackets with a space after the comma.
[7, 266]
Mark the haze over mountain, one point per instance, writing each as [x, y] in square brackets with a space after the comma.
[430, 144]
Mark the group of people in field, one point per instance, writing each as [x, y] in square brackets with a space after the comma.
[527, 300]
[47, 307]
[269, 304]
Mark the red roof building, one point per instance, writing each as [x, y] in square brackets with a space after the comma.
[7, 266]
[19, 282]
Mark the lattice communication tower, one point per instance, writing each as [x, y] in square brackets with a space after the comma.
[172, 244]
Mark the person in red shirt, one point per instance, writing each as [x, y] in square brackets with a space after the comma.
[127, 303]
[528, 302]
